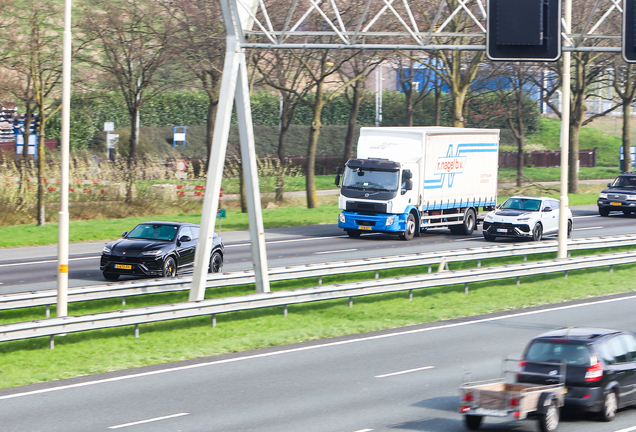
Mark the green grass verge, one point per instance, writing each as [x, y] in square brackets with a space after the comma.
[30, 361]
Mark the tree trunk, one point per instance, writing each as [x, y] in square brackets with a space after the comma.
[132, 154]
[351, 126]
[627, 154]
[573, 159]
[41, 209]
[280, 177]
[310, 169]
[438, 107]
[458, 108]
[209, 128]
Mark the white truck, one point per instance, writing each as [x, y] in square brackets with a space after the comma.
[408, 179]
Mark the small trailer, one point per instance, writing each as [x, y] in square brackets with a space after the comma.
[499, 398]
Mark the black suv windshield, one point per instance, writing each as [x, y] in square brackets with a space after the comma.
[153, 232]
[557, 351]
[625, 181]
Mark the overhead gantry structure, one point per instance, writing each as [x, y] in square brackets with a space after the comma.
[457, 25]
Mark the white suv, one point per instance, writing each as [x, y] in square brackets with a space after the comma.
[524, 217]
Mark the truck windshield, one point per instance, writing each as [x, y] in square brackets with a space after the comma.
[360, 178]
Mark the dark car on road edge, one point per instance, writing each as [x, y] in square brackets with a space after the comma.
[157, 249]
[620, 195]
[600, 367]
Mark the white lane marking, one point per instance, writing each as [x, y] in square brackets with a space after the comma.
[588, 228]
[629, 429]
[288, 241]
[469, 239]
[404, 372]
[364, 430]
[584, 217]
[336, 251]
[147, 421]
[312, 347]
[49, 261]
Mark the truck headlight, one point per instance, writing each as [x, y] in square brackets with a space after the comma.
[602, 195]
[390, 220]
[341, 217]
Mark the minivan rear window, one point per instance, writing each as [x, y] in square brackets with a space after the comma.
[557, 352]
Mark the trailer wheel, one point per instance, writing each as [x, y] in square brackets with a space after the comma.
[472, 422]
[353, 233]
[549, 421]
[410, 228]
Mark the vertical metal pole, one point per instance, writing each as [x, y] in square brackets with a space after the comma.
[565, 140]
[63, 218]
[250, 177]
[234, 70]
[215, 168]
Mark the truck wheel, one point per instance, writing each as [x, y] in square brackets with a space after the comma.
[410, 228]
[603, 211]
[537, 232]
[549, 421]
[469, 222]
[472, 422]
[610, 405]
[353, 233]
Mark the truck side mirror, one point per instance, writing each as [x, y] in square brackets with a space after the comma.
[408, 185]
[407, 175]
[338, 172]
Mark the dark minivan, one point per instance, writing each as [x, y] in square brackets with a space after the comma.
[600, 367]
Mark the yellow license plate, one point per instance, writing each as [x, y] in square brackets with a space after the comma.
[123, 266]
[364, 228]
[615, 203]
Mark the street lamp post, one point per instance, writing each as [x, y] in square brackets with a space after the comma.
[63, 218]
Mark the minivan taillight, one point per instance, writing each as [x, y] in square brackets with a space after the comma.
[594, 372]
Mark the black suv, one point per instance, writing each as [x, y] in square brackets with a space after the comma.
[600, 367]
[620, 195]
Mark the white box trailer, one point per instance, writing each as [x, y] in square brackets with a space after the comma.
[408, 179]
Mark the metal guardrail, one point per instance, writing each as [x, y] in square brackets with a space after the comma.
[125, 289]
[52, 326]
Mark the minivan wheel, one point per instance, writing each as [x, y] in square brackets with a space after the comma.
[610, 405]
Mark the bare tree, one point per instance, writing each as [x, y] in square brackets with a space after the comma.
[130, 42]
[625, 87]
[361, 65]
[34, 72]
[199, 44]
[282, 71]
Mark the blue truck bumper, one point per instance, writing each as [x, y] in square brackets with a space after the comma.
[372, 223]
